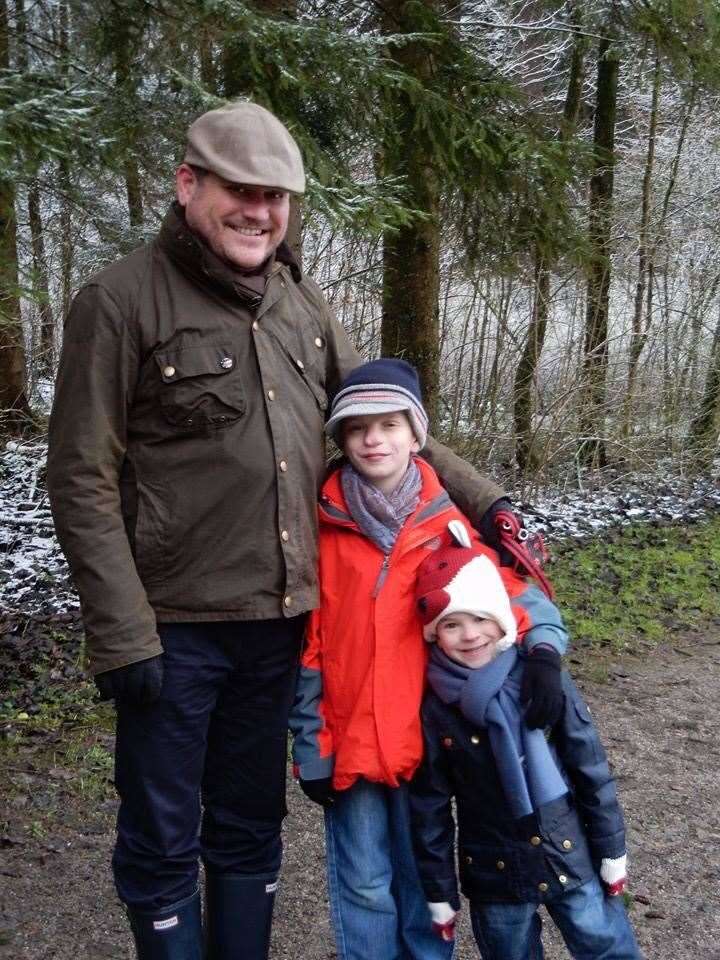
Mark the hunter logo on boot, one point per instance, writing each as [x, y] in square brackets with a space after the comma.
[167, 924]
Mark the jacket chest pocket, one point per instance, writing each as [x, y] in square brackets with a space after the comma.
[306, 359]
[201, 387]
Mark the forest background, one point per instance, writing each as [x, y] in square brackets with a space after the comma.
[518, 196]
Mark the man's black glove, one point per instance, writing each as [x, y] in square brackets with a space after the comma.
[319, 791]
[139, 682]
[491, 535]
[542, 686]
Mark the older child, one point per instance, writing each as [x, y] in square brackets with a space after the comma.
[538, 816]
[356, 720]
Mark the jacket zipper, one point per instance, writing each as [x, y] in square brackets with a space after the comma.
[382, 576]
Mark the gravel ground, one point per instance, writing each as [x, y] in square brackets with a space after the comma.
[660, 722]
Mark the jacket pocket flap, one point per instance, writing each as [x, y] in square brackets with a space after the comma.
[202, 361]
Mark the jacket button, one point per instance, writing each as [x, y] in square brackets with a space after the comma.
[300, 364]
[271, 394]
[226, 363]
[562, 878]
[255, 325]
[500, 864]
[283, 466]
[168, 371]
[535, 841]
[447, 741]
[285, 536]
[542, 887]
[475, 739]
[288, 600]
[468, 859]
[318, 342]
[567, 844]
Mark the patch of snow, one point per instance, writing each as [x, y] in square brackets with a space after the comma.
[34, 577]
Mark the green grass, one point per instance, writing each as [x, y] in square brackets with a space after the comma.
[638, 585]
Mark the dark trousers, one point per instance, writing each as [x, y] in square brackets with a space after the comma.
[201, 772]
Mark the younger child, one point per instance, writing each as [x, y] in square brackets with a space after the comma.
[356, 719]
[538, 816]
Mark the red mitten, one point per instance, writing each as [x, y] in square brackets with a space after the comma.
[613, 873]
[443, 920]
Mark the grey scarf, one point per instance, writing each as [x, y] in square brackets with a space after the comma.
[380, 517]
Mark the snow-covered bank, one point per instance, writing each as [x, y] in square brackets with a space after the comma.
[34, 576]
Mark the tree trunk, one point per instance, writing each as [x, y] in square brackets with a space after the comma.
[591, 449]
[639, 329]
[706, 423]
[44, 357]
[524, 388]
[65, 182]
[411, 254]
[14, 407]
[526, 374]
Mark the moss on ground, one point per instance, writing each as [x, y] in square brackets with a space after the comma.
[638, 585]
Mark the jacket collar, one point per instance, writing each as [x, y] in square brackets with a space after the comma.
[196, 259]
[434, 499]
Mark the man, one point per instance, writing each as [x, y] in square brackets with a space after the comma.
[186, 450]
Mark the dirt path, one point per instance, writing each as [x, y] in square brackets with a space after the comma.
[661, 723]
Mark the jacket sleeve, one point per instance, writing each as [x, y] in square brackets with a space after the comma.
[312, 741]
[585, 762]
[87, 443]
[538, 619]
[473, 493]
[432, 823]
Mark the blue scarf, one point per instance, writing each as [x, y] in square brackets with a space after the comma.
[489, 697]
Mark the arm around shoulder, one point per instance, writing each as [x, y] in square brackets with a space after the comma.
[473, 493]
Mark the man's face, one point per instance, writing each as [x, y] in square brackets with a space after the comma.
[469, 639]
[240, 223]
[379, 446]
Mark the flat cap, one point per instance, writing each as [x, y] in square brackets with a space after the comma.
[245, 143]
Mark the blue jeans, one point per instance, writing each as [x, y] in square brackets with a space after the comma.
[378, 906]
[594, 927]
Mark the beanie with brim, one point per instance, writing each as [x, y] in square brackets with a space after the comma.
[462, 578]
[380, 386]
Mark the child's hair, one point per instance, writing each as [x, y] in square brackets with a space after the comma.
[380, 386]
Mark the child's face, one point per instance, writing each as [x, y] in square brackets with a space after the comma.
[379, 446]
[469, 639]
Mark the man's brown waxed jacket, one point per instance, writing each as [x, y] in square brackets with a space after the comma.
[186, 443]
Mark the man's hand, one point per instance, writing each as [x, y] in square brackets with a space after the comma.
[139, 682]
[319, 791]
[488, 530]
[542, 686]
[443, 920]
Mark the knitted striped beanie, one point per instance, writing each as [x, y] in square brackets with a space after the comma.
[380, 386]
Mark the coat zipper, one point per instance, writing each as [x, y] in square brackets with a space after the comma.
[382, 576]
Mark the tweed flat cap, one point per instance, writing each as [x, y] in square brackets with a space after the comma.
[245, 143]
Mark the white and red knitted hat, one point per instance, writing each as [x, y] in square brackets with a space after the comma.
[461, 577]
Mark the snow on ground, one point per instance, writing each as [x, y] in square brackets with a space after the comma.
[34, 576]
